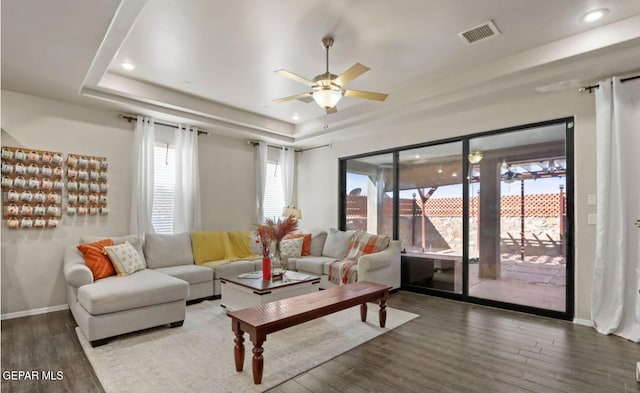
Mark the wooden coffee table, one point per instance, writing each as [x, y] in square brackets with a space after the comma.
[238, 292]
[267, 318]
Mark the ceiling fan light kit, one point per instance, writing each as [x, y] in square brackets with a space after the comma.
[327, 97]
[475, 157]
[327, 88]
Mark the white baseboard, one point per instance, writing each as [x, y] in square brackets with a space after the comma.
[35, 311]
[583, 322]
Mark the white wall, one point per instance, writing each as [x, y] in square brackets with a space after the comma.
[32, 259]
[318, 169]
[227, 182]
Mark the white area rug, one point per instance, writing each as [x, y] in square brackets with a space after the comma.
[198, 357]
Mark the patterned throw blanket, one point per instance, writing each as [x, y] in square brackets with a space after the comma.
[363, 243]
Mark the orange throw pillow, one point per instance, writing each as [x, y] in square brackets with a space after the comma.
[306, 242]
[96, 260]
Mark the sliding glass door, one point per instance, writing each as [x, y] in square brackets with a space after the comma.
[368, 194]
[518, 211]
[430, 216]
[486, 218]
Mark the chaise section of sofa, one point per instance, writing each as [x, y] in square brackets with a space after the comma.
[150, 297]
[116, 305]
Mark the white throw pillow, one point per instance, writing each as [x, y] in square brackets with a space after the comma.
[291, 247]
[125, 258]
[337, 243]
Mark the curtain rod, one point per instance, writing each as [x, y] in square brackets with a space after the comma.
[131, 118]
[589, 89]
[255, 143]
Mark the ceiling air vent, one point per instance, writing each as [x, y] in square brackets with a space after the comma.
[485, 30]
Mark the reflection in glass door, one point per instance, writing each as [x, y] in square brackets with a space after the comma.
[517, 217]
[430, 216]
[368, 203]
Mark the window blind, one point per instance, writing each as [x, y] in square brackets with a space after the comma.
[273, 195]
[164, 188]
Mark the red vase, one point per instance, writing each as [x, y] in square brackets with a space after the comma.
[266, 268]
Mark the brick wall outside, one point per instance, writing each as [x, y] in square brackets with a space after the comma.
[443, 224]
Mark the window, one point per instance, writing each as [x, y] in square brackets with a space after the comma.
[273, 195]
[163, 188]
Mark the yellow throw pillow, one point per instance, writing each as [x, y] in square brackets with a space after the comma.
[208, 246]
[125, 258]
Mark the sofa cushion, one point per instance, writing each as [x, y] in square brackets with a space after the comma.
[312, 264]
[96, 261]
[232, 269]
[208, 246]
[140, 289]
[167, 250]
[125, 258]
[317, 243]
[193, 274]
[337, 244]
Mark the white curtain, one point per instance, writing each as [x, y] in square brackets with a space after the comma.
[616, 301]
[287, 174]
[261, 179]
[142, 187]
[186, 216]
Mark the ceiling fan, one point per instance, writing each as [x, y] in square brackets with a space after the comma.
[326, 88]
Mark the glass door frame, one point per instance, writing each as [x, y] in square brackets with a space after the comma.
[569, 123]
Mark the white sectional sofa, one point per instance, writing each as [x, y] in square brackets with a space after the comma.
[151, 297]
[157, 295]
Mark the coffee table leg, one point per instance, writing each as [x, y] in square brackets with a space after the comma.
[363, 312]
[238, 350]
[258, 361]
[383, 309]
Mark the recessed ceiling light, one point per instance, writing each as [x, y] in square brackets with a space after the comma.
[417, 155]
[295, 116]
[594, 15]
[127, 66]
[454, 174]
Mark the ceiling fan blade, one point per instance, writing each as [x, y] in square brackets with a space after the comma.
[294, 77]
[366, 95]
[331, 110]
[293, 97]
[306, 99]
[352, 73]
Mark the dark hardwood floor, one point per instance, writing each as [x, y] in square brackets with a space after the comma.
[451, 347]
